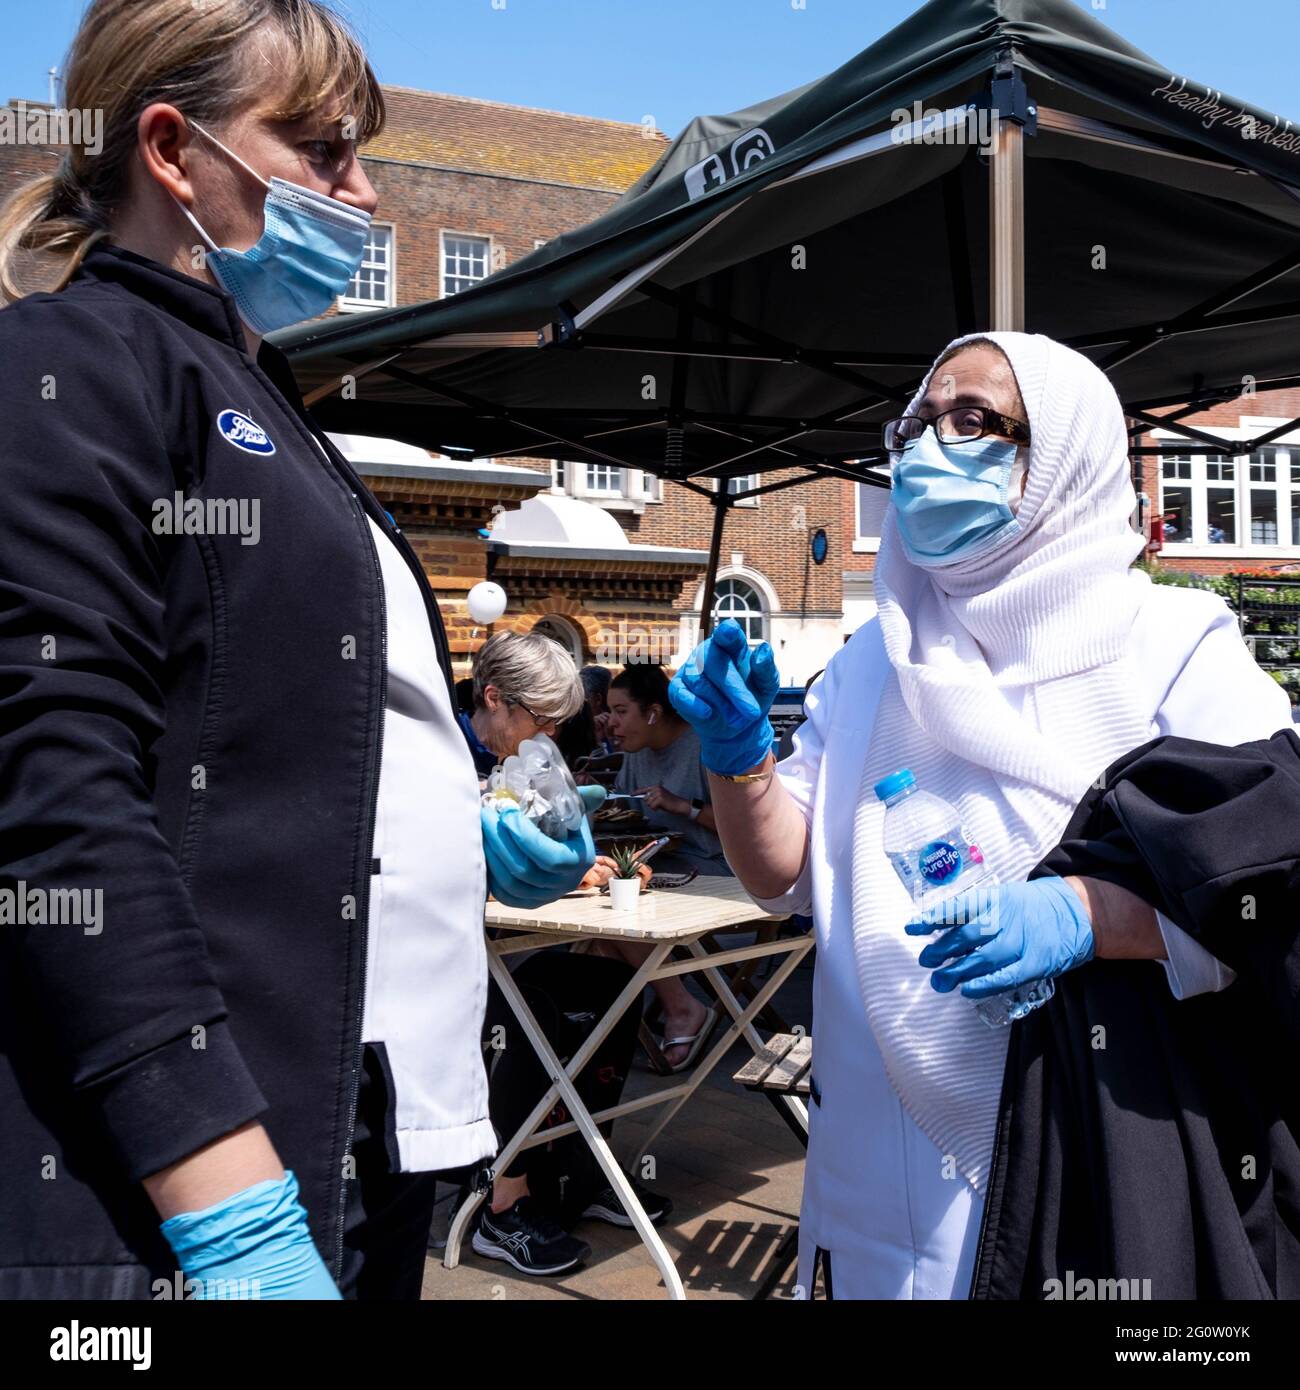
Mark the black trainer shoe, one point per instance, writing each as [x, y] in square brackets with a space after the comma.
[607, 1206]
[525, 1237]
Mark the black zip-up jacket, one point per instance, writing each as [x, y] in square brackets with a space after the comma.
[190, 725]
[1149, 1147]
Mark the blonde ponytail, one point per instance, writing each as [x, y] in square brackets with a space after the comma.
[200, 58]
[44, 218]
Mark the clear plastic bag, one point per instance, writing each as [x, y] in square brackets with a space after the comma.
[539, 782]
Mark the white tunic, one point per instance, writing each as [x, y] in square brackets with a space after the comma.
[876, 1194]
[426, 961]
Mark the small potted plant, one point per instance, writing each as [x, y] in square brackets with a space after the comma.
[625, 885]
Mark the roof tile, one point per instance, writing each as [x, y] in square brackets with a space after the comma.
[488, 137]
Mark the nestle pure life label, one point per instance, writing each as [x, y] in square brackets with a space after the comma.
[945, 864]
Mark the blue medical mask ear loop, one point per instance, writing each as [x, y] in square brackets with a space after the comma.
[266, 183]
[212, 245]
[1017, 479]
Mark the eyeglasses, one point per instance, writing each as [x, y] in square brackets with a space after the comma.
[959, 425]
[542, 724]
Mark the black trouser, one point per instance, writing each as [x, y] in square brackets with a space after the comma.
[823, 1258]
[568, 994]
[387, 1215]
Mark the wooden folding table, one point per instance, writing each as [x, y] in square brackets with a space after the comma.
[666, 918]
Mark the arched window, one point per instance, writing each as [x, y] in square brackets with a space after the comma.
[558, 630]
[738, 599]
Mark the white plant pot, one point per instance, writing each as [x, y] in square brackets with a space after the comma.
[625, 894]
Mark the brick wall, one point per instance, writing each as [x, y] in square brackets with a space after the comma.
[773, 537]
[21, 162]
[422, 203]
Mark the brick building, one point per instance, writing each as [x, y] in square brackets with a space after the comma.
[467, 187]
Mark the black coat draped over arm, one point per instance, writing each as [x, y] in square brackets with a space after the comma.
[1142, 1137]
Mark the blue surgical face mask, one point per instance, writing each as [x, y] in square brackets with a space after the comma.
[309, 249]
[951, 500]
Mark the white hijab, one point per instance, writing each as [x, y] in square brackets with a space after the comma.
[1012, 689]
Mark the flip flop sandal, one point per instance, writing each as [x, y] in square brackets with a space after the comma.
[696, 1042]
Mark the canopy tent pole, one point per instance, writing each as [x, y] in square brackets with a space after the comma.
[721, 501]
[1011, 112]
[1007, 228]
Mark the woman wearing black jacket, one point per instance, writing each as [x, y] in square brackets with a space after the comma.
[241, 861]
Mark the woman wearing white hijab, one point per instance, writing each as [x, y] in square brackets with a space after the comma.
[1014, 655]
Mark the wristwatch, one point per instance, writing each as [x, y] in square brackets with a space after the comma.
[696, 807]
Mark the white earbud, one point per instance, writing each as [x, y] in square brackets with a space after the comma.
[652, 719]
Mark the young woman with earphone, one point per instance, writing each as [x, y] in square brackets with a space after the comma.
[661, 761]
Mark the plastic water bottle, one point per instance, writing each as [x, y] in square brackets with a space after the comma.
[936, 859]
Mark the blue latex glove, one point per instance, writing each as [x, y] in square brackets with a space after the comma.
[1005, 935]
[526, 868]
[258, 1236]
[724, 692]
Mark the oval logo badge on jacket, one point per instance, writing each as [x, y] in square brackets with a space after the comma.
[244, 433]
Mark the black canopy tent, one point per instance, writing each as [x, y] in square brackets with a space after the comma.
[774, 288]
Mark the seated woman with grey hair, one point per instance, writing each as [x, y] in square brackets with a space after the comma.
[526, 684]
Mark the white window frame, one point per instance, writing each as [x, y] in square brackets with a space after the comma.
[749, 480]
[636, 487]
[442, 259]
[561, 630]
[764, 612]
[863, 542]
[617, 477]
[1286, 452]
[348, 305]
[768, 598]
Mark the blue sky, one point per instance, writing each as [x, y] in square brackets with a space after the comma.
[672, 59]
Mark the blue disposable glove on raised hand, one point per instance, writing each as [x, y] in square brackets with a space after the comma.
[526, 868]
[1005, 936]
[252, 1244]
[724, 692]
